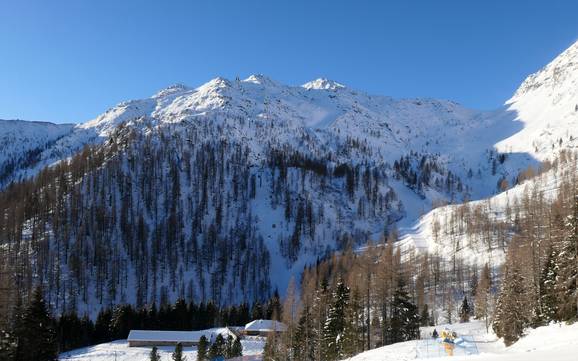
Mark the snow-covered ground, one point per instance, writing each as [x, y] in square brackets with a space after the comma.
[119, 351]
[557, 342]
[420, 236]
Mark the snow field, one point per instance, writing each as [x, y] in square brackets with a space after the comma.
[119, 351]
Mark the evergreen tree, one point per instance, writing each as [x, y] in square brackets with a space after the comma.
[228, 347]
[512, 314]
[567, 261]
[425, 316]
[353, 340]
[271, 349]
[305, 336]
[333, 330]
[102, 331]
[465, 311]
[217, 348]
[237, 349]
[154, 355]
[202, 349]
[178, 353]
[404, 315]
[7, 346]
[121, 321]
[548, 301]
[35, 333]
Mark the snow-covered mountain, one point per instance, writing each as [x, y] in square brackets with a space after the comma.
[22, 142]
[545, 109]
[270, 172]
[546, 105]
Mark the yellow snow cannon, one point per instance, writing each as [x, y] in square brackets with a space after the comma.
[448, 336]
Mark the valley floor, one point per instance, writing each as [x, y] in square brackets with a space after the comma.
[119, 351]
[557, 342]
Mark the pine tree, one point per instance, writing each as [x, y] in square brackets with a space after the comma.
[178, 353]
[202, 349]
[35, 332]
[154, 355]
[465, 311]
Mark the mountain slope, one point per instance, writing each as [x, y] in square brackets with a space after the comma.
[21, 143]
[547, 105]
[237, 185]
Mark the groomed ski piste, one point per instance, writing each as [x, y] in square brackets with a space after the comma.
[556, 342]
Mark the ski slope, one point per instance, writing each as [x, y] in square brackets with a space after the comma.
[557, 342]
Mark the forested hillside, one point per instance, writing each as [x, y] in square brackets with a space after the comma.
[225, 192]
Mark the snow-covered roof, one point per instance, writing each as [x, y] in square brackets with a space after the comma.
[265, 325]
[177, 336]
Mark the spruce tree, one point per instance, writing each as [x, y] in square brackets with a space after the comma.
[202, 349]
[305, 336]
[270, 351]
[404, 315]
[237, 349]
[465, 311]
[35, 333]
[217, 348]
[228, 347]
[425, 316]
[512, 314]
[548, 301]
[178, 353]
[7, 346]
[154, 355]
[353, 340]
[567, 261]
[333, 330]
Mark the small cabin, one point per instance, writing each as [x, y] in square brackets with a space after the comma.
[264, 328]
[149, 338]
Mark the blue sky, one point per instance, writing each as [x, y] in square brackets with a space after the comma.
[69, 60]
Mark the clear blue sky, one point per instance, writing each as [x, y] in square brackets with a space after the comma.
[69, 60]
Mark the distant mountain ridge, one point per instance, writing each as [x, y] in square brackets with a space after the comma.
[285, 173]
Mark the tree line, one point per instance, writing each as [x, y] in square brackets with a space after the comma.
[34, 334]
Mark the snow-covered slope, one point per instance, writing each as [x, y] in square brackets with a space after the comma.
[546, 104]
[544, 114]
[555, 342]
[330, 116]
[463, 229]
[119, 351]
[21, 143]
[354, 163]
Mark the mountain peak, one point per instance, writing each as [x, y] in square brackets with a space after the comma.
[558, 80]
[323, 83]
[171, 89]
[260, 79]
